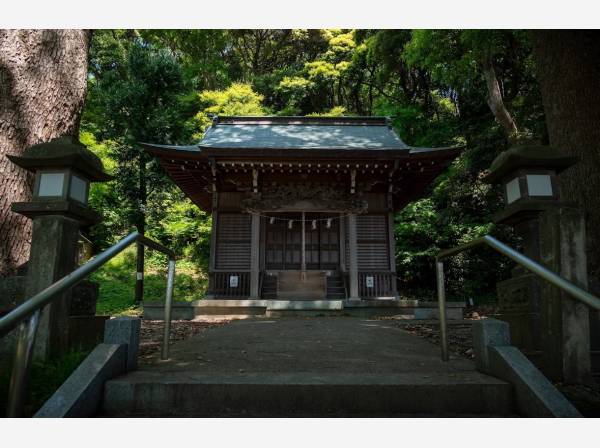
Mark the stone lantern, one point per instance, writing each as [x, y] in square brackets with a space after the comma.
[543, 320]
[63, 170]
[528, 175]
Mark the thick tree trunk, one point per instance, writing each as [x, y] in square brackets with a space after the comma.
[568, 69]
[42, 89]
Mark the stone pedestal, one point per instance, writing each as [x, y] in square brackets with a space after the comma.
[519, 305]
[519, 296]
[83, 301]
[53, 255]
[125, 330]
[564, 321]
[86, 329]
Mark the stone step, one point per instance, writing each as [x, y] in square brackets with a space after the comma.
[191, 394]
[304, 304]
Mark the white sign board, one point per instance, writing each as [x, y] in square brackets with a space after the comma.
[233, 281]
[369, 281]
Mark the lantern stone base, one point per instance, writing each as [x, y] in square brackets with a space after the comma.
[518, 300]
[565, 326]
[68, 209]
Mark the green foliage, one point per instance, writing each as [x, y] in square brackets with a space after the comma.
[140, 97]
[200, 53]
[117, 283]
[237, 99]
[337, 111]
[184, 228]
[104, 196]
[45, 378]
[294, 90]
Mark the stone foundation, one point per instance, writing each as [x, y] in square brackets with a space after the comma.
[408, 309]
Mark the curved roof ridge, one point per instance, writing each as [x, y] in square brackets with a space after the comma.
[302, 120]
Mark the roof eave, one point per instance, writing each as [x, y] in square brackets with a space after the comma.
[203, 152]
[173, 150]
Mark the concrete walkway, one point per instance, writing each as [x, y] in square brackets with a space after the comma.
[308, 345]
[329, 366]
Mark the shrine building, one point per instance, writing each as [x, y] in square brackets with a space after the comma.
[302, 207]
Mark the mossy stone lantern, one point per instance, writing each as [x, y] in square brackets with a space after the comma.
[63, 171]
[542, 318]
[528, 175]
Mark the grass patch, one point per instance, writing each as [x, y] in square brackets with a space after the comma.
[117, 283]
[44, 379]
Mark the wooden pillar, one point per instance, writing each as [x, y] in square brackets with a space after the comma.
[342, 237]
[213, 241]
[303, 264]
[255, 256]
[212, 262]
[353, 253]
[392, 252]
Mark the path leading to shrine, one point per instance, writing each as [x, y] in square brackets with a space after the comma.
[306, 367]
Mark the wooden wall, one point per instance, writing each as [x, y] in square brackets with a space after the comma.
[234, 234]
[372, 242]
[233, 241]
[373, 245]
[230, 201]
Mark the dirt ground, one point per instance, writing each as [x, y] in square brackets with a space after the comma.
[151, 334]
[585, 397]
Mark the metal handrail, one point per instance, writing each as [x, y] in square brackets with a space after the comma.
[32, 307]
[533, 266]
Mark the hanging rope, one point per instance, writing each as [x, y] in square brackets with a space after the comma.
[272, 218]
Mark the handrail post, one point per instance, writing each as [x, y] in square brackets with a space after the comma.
[168, 304]
[441, 290]
[31, 308]
[20, 371]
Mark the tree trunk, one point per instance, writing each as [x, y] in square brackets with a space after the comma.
[496, 102]
[568, 69]
[141, 227]
[43, 77]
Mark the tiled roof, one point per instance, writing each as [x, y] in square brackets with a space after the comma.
[302, 133]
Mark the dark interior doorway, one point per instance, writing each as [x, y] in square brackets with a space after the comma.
[283, 245]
